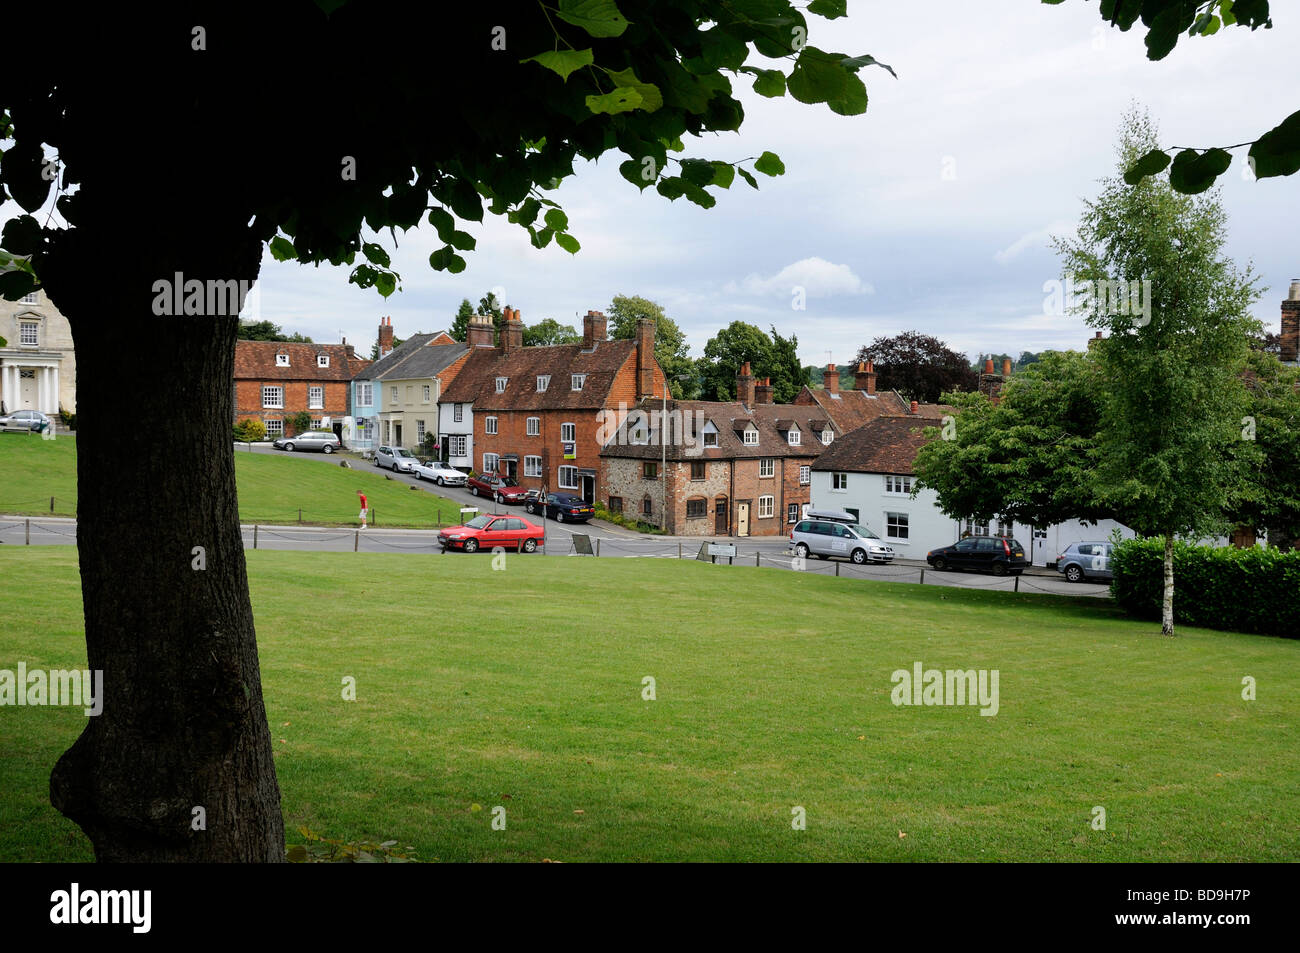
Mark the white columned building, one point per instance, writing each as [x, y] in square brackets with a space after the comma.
[38, 366]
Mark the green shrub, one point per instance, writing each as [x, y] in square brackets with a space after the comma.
[69, 420]
[250, 430]
[1241, 590]
[618, 519]
[299, 422]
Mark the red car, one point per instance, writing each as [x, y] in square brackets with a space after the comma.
[487, 532]
[497, 486]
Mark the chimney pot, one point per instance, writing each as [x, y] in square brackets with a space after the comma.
[1006, 367]
[988, 365]
[865, 377]
[745, 385]
[831, 379]
[914, 406]
[1294, 293]
[385, 336]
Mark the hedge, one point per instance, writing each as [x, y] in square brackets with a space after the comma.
[1241, 590]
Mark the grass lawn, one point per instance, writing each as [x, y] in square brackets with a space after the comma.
[272, 487]
[773, 691]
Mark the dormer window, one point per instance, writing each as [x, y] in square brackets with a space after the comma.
[793, 438]
[827, 435]
[576, 381]
[543, 382]
[751, 437]
[282, 359]
[322, 360]
[710, 438]
[501, 384]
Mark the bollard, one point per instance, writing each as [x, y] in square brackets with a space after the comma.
[923, 576]
[837, 570]
[679, 550]
[597, 547]
[356, 539]
[1017, 582]
[300, 516]
[51, 504]
[29, 533]
[255, 536]
[758, 559]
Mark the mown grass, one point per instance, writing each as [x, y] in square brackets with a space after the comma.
[273, 488]
[523, 689]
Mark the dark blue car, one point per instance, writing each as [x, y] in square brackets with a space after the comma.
[561, 507]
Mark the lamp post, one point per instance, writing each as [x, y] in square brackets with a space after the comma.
[663, 446]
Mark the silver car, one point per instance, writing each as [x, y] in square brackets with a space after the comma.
[443, 474]
[1082, 561]
[321, 440]
[397, 459]
[826, 538]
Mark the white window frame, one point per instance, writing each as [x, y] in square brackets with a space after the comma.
[543, 382]
[900, 520]
[533, 426]
[365, 394]
[805, 476]
[316, 397]
[766, 467]
[316, 423]
[766, 507]
[898, 485]
[35, 328]
[30, 298]
[792, 512]
[572, 474]
[490, 462]
[751, 437]
[490, 426]
[577, 381]
[282, 359]
[793, 438]
[710, 438]
[532, 466]
[274, 427]
[827, 435]
[456, 445]
[976, 528]
[458, 413]
[501, 384]
[392, 393]
[839, 482]
[273, 396]
[427, 393]
[322, 360]
[419, 432]
[568, 433]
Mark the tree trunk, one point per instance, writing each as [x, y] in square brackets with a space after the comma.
[1167, 605]
[183, 724]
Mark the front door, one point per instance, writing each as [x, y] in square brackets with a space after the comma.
[589, 489]
[27, 390]
[509, 468]
[397, 435]
[742, 519]
[720, 521]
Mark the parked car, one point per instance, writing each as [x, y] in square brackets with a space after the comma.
[996, 554]
[486, 532]
[397, 459]
[825, 538]
[497, 486]
[321, 440]
[1082, 561]
[443, 474]
[25, 420]
[560, 507]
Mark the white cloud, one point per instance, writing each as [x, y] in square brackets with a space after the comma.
[1035, 239]
[818, 278]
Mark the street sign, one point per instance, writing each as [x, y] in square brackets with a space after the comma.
[723, 549]
[582, 544]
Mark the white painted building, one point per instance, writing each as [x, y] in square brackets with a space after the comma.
[38, 367]
[456, 427]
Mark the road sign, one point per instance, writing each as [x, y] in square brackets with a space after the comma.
[582, 544]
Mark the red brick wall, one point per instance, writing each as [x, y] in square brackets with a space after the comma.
[248, 399]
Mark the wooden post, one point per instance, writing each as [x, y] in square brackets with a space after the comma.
[923, 575]
[300, 516]
[51, 504]
[29, 533]
[837, 570]
[255, 536]
[1017, 582]
[679, 550]
[758, 558]
[597, 547]
[356, 539]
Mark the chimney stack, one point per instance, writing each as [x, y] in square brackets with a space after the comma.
[385, 336]
[480, 331]
[1291, 324]
[913, 408]
[990, 384]
[645, 357]
[988, 365]
[593, 330]
[831, 379]
[763, 391]
[1006, 367]
[865, 377]
[512, 332]
[745, 385]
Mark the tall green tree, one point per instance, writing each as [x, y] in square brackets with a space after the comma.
[671, 349]
[459, 330]
[268, 331]
[918, 366]
[184, 720]
[726, 352]
[1269, 451]
[549, 331]
[1027, 457]
[788, 377]
[1173, 401]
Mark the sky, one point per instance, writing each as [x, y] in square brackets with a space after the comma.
[931, 212]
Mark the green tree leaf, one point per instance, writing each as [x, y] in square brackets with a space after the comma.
[745, 174]
[769, 164]
[1193, 172]
[597, 17]
[282, 249]
[1153, 163]
[818, 78]
[22, 235]
[768, 82]
[830, 9]
[567, 242]
[651, 98]
[724, 173]
[376, 255]
[619, 101]
[1277, 152]
[563, 62]
[557, 220]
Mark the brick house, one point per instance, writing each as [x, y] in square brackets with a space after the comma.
[276, 379]
[540, 413]
[733, 468]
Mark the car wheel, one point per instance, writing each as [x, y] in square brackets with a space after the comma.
[498, 498]
[530, 509]
[473, 491]
[940, 563]
[530, 545]
[859, 557]
[328, 448]
[395, 466]
[999, 569]
[289, 447]
[559, 516]
[471, 545]
[441, 482]
[801, 551]
[1073, 574]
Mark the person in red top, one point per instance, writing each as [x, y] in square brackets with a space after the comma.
[364, 511]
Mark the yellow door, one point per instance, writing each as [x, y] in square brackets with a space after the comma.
[742, 519]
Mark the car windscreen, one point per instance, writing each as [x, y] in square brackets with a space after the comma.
[403, 453]
[862, 531]
[479, 522]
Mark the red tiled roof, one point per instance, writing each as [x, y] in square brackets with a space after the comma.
[852, 408]
[730, 418]
[476, 381]
[255, 360]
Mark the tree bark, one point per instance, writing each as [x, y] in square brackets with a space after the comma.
[183, 724]
[1167, 604]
